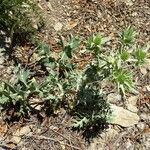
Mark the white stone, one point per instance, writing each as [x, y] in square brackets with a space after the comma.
[123, 117]
[24, 130]
[132, 108]
[141, 126]
[113, 97]
[19, 133]
[16, 139]
[129, 2]
[143, 70]
[133, 100]
[58, 26]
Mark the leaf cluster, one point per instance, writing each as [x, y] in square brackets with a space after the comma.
[17, 16]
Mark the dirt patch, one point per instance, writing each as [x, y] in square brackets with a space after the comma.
[84, 17]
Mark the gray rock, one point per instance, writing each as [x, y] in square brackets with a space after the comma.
[141, 126]
[114, 97]
[58, 26]
[129, 145]
[132, 108]
[133, 100]
[123, 117]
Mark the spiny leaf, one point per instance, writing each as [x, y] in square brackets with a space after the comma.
[125, 55]
[140, 55]
[128, 36]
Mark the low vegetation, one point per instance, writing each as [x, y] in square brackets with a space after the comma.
[17, 18]
[65, 84]
[78, 90]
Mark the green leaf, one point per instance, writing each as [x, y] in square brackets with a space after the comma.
[140, 55]
[80, 124]
[128, 36]
[4, 99]
[23, 76]
[74, 43]
[43, 49]
[71, 46]
[8, 87]
[125, 55]
[95, 42]
[123, 79]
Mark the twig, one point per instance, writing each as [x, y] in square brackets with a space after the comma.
[52, 139]
[5, 146]
[59, 134]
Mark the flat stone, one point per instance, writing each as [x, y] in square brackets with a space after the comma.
[19, 133]
[132, 108]
[143, 70]
[113, 97]
[141, 126]
[129, 2]
[123, 117]
[133, 100]
[58, 26]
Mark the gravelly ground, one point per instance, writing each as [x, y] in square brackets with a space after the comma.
[84, 17]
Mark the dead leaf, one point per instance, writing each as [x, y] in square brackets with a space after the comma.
[143, 70]
[3, 128]
[11, 145]
[16, 139]
[71, 25]
[19, 133]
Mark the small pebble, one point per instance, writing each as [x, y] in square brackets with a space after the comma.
[141, 126]
[129, 146]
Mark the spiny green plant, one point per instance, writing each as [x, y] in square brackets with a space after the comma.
[128, 36]
[19, 91]
[16, 17]
[95, 43]
[64, 79]
[52, 90]
[23, 88]
[63, 62]
[91, 107]
[124, 80]
[114, 65]
[140, 56]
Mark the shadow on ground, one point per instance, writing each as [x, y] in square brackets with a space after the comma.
[92, 109]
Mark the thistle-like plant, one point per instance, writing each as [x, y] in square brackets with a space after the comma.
[125, 55]
[123, 79]
[92, 109]
[95, 42]
[140, 56]
[128, 36]
[44, 55]
[19, 91]
[65, 81]
[16, 18]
